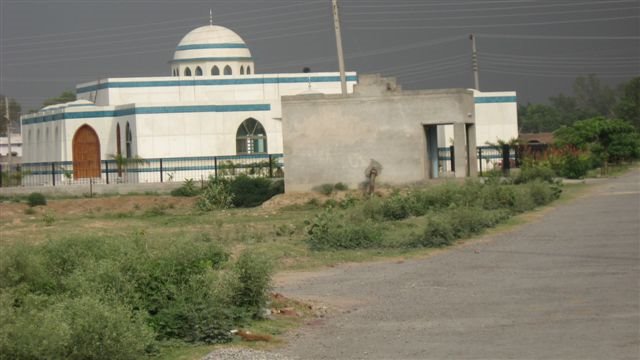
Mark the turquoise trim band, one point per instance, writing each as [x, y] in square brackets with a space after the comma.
[213, 82]
[222, 58]
[147, 111]
[495, 99]
[210, 46]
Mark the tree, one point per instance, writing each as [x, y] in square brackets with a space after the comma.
[608, 140]
[538, 118]
[593, 98]
[14, 114]
[628, 107]
[65, 97]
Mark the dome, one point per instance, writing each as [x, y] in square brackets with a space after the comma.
[208, 46]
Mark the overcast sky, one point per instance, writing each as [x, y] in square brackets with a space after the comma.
[536, 48]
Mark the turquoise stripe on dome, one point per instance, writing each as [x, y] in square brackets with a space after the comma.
[214, 82]
[147, 111]
[222, 58]
[494, 99]
[210, 46]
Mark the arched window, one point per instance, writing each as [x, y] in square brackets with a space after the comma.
[241, 70]
[187, 72]
[251, 137]
[198, 71]
[129, 140]
[86, 153]
[227, 70]
[248, 70]
[215, 71]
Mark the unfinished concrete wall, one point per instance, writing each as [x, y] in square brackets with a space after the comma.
[334, 138]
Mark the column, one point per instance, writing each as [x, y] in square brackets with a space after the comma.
[460, 149]
[472, 152]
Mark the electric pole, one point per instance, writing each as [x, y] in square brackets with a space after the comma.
[474, 61]
[336, 22]
[6, 111]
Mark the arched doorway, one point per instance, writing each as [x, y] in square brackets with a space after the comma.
[86, 153]
[251, 138]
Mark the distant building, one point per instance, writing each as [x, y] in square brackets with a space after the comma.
[16, 145]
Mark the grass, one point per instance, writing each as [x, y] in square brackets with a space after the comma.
[279, 234]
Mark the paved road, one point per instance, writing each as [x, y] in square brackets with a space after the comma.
[563, 287]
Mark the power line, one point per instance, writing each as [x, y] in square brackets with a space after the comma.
[418, 27]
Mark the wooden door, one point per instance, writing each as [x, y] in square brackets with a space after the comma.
[86, 153]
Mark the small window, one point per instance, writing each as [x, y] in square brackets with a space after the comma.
[241, 70]
[215, 71]
[118, 145]
[187, 72]
[227, 70]
[248, 70]
[198, 71]
[251, 137]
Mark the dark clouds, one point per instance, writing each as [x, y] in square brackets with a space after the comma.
[534, 47]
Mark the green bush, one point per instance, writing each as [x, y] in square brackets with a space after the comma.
[331, 231]
[251, 282]
[437, 233]
[325, 189]
[541, 193]
[81, 328]
[251, 192]
[110, 297]
[575, 166]
[340, 187]
[36, 199]
[216, 195]
[533, 172]
[188, 189]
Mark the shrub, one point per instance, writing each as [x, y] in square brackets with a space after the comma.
[340, 187]
[82, 328]
[541, 193]
[331, 231]
[251, 282]
[216, 195]
[251, 192]
[36, 199]
[437, 233]
[532, 172]
[188, 189]
[575, 166]
[325, 189]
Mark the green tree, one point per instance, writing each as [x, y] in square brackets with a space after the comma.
[65, 97]
[537, 118]
[628, 107]
[608, 140]
[593, 98]
[14, 114]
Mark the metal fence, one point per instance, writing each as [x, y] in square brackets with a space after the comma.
[144, 170]
[493, 157]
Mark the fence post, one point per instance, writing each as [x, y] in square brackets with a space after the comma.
[215, 167]
[270, 166]
[106, 170]
[480, 160]
[161, 172]
[1, 175]
[506, 160]
[53, 174]
[452, 156]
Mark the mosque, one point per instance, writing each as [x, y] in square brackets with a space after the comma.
[214, 103]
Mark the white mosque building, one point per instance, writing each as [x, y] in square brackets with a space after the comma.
[214, 104]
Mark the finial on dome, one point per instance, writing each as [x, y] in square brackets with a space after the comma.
[210, 17]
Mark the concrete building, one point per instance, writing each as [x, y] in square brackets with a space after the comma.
[214, 103]
[16, 145]
[335, 138]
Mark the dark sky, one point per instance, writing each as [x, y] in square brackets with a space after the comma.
[534, 47]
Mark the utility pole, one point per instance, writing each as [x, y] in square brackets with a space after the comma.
[336, 22]
[474, 60]
[6, 111]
